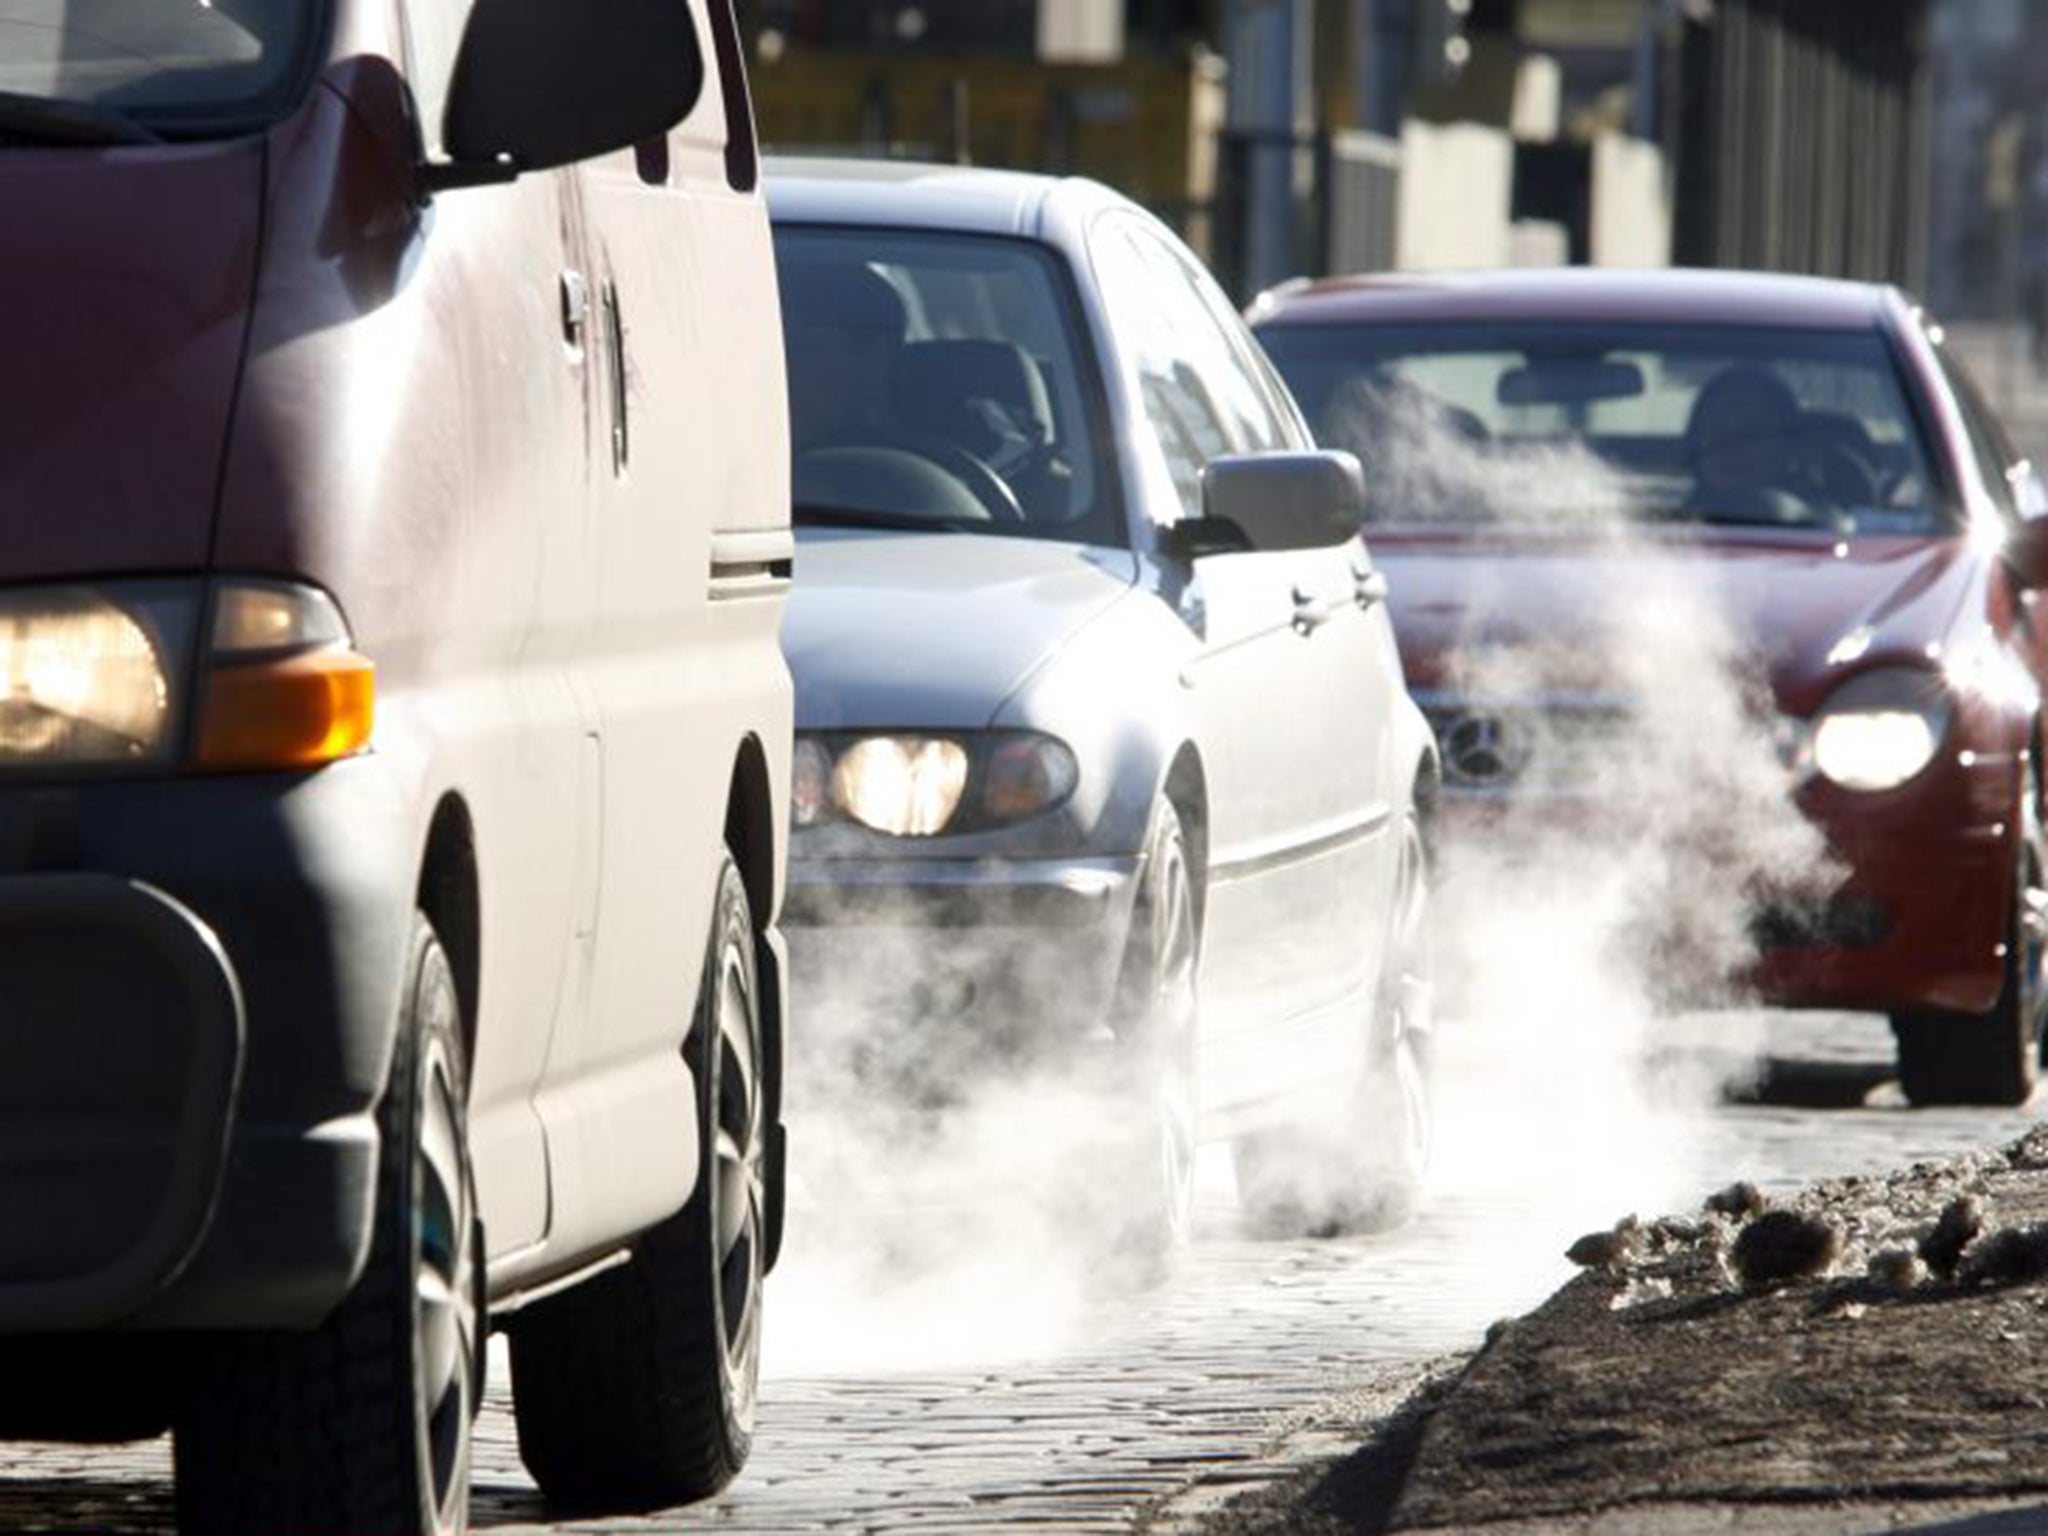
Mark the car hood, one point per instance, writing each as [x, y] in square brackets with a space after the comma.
[933, 629]
[1807, 606]
[130, 275]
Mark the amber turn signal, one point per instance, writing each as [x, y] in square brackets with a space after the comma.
[296, 712]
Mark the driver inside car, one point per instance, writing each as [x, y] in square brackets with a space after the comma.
[1740, 444]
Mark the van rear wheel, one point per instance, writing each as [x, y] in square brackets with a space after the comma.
[636, 1389]
[364, 1423]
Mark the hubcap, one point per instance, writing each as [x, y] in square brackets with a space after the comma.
[1411, 1004]
[2032, 924]
[1173, 1027]
[446, 1314]
[738, 1189]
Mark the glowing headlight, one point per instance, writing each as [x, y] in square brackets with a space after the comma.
[906, 785]
[1880, 729]
[82, 681]
[103, 677]
[920, 786]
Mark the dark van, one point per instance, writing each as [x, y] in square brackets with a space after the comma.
[393, 745]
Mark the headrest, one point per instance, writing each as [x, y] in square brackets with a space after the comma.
[842, 297]
[1743, 393]
[948, 387]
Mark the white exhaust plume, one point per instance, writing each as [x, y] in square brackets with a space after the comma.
[958, 1199]
[960, 1203]
[1594, 922]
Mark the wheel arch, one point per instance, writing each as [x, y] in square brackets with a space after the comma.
[750, 837]
[450, 895]
[1186, 788]
[750, 827]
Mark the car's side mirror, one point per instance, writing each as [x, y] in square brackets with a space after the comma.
[541, 83]
[1269, 502]
[2026, 553]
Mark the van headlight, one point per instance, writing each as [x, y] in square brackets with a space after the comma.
[245, 675]
[1881, 728]
[923, 785]
[86, 674]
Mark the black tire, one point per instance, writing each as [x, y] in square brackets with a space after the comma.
[1157, 1008]
[636, 1390]
[364, 1424]
[1991, 1058]
[1367, 1174]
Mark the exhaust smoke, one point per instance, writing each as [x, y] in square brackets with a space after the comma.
[961, 1200]
[1594, 911]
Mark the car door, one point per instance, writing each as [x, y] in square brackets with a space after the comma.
[1261, 687]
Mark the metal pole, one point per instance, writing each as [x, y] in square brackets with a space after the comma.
[1269, 45]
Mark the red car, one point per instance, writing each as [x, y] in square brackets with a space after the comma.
[1809, 452]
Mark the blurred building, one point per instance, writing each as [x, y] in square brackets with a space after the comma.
[1990, 185]
[1287, 136]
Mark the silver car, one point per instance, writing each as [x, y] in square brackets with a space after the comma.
[1103, 750]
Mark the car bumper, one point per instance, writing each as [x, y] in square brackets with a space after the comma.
[1913, 927]
[203, 981]
[988, 956]
[1914, 906]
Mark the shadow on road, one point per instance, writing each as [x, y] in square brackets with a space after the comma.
[1784, 1083]
[77, 1506]
[2005, 1522]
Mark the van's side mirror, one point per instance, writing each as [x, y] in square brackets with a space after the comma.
[542, 83]
[1275, 501]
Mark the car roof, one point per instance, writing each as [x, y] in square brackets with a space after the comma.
[807, 190]
[1677, 295]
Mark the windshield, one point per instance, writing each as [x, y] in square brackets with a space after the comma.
[1548, 424]
[939, 381]
[178, 68]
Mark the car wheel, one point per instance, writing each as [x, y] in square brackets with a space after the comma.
[636, 1389]
[1992, 1057]
[364, 1423]
[1367, 1174]
[1156, 1013]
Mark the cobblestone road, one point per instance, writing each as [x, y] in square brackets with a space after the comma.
[1075, 1416]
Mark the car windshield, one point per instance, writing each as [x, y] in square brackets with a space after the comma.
[1549, 424]
[939, 381]
[173, 68]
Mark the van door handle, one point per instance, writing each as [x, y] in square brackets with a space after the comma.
[575, 307]
[1311, 612]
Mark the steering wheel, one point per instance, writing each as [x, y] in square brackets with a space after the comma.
[988, 487]
[1837, 475]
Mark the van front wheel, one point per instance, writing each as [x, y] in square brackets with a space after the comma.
[364, 1424]
[635, 1390]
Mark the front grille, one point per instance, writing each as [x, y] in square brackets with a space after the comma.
[1552, 745]
[1837, 922]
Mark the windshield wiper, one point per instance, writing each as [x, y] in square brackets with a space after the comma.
[54, 120]
[810, 514]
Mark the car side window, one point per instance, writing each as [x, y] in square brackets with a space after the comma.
[1185, 416]
[1197, 384]
[1246, 384]
[1987, 442]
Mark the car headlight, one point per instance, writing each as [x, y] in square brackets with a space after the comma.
[920, 786]
[139, 674]
[1881, 728]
